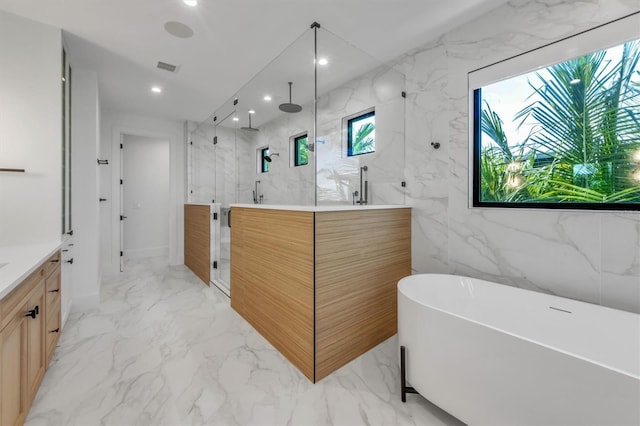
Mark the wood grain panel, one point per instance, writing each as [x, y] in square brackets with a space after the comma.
[197, 240]
[11, 304]
[36, 340]
[360, 257]
[14, 396]
[272, 279]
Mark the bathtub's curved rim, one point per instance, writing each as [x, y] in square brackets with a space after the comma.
[633, 374]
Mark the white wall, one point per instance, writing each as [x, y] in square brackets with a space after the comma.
[114, 124]
[30, 131]
[146, 196]
[85, 136]
[588, 255]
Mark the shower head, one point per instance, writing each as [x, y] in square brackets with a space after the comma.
[290, 107]
[268, 157]
[251, 129]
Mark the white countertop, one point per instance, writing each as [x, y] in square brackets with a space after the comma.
[22, 260]
[200, 204]
[334, 208]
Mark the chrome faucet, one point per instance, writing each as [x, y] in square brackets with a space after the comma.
[257, 199]
[363, 199]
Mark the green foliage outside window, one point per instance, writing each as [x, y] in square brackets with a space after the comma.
[301, 146]
[577, 137]
[361, 134]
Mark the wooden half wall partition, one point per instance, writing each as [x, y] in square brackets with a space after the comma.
[320, 286]
[197, 240]
[272, 279]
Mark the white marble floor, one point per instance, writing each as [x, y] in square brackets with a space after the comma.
[162, 349]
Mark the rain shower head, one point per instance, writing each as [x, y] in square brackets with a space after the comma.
[268, 157]
[251, 129]
[290, 107]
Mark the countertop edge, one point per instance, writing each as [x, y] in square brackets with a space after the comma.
[335, 208]
[44, 251]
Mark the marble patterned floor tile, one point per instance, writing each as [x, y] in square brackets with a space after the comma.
[162, 349]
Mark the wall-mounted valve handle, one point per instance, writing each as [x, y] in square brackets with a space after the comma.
[70, 261]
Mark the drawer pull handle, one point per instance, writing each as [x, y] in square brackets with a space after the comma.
[33, 312]
[55, 260]
[54, 291]
[55, 331]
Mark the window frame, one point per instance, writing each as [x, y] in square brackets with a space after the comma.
[261, 153]
[296, 148]
[603, 37]
[347, 123]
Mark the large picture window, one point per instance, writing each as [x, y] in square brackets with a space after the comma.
[564, 136]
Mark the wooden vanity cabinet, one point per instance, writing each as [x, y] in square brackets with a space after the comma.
[25, 315]
[320, 285]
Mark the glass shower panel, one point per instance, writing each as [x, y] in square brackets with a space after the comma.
[225, 176]
[360, 121]
[201, 160]
[281, 181]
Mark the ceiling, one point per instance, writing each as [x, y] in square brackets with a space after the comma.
[233, 40]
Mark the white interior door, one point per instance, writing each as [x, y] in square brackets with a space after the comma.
[145, 198]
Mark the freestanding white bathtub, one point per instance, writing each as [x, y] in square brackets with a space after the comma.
[492, 354]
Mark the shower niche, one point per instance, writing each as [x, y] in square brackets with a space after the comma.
[301, 112]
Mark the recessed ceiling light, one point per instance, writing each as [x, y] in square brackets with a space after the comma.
[267, 98]
[156, 89]
[236, 119]
[575, 81]
[251, 111]
[323, 61]
[191, 3]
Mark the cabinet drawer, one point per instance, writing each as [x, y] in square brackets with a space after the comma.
[51, 264]
[53, 330]
[52, 284]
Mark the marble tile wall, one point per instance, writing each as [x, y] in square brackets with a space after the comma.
[590, 256]
[339, 174]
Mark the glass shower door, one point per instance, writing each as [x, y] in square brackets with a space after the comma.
[224, 145]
